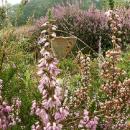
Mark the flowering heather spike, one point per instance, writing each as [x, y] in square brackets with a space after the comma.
[50, 111]
[88, 123]
[84, 65]
[79, 117]
[115, 107]
[8, 114]
[81, 95]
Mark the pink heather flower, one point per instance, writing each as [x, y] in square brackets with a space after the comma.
[57, 100]
[44, 24]
[44, 93]
[7, 109]
[40, 72]
[45, 80]
[8, 114]
[50, 111]
[62, 114]
[53, 127]
[43, 115]
[42, 40]
[41, 60]
[108, 13]
[17, 103]
[50, 103]
[53, 69]
[46, 55]
[85, 112]
[88, 123]
[36, 126]
[58, 91]
[33, 108]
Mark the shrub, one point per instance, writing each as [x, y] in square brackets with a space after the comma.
[17, 70]
[8, 113]
[89, 25]
[86, 95]
[54, 111]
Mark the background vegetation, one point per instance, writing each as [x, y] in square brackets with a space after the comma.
[19, 53]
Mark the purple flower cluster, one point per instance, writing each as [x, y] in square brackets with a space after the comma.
[88, 123]
[93, 22]
[116, 84]
[8, 114]
[51, 110]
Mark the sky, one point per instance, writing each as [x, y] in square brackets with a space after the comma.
[12, 2]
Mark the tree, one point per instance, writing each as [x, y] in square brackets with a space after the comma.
[36, 8]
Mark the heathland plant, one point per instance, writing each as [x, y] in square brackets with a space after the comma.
[9, 114]
[75, 93]
[108, 107]
[89, 25]
[116, 85]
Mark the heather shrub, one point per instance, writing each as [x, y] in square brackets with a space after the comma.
[17, 70]
[56, 109]
[114, 107]
[8, 113]
[88, 25]
[77, 92]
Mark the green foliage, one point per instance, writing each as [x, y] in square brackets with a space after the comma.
[2, 16]
[86, 4]
[68, 65]
[106, 4]
[103, 4]
[49, 14]
[36, 8]
[111, 4]
[19, 77]
[125, 62]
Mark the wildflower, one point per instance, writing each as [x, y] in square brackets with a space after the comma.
[117, 91]
[50, 111]
[8, 113]
[88, 123]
